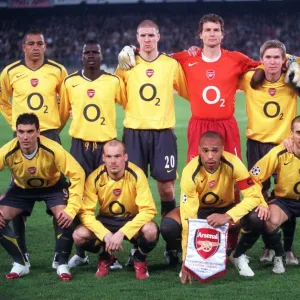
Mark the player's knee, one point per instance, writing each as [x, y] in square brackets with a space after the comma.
[150, 231]
[170, 229]
[166, 190]
[272, 223]
[251, 221]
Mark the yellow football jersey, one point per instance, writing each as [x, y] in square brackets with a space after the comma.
[44, 169]
[93, 105]
[287, 168]
[128, 197]
[32, 91]
[202, 189]
[150, 96]
[270, 109]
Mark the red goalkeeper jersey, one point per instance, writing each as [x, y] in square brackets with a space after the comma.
[212, 85]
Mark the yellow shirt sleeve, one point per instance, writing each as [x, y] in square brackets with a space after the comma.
[180, 84]
[64, 105]
[6, 94]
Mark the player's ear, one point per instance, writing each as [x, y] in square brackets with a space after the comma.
[126, 156]
[158, 37]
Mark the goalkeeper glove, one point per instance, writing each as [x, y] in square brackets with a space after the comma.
[126, 58]
[293, 74]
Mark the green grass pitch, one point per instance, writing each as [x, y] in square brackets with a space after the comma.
[42, 282]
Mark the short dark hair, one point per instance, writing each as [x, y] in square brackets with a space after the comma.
[272, 44]
[211, 18]
[211, 134]
[115, 142]
[31, 31]
[295, 120]
[28, 119]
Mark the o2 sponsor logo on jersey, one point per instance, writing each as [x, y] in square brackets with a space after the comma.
[210, 74]
[207, 242]
[32, 170]
[34, 82]
[272, 91]
[117, 192]
[211, 92]
[149, 72]
[90, 93]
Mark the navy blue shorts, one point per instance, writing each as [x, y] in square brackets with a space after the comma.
[289, 206]
[25, 198]
[87, 154]
[256, 151]
[157, 148]
[204, 212]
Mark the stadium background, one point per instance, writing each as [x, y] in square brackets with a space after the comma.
[67, 24]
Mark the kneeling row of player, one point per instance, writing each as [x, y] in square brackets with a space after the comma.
[126, 204]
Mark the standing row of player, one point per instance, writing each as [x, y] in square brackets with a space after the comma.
[146, 93]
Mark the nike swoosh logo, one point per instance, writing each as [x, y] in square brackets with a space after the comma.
[287, 163]
[101, 185]
[18, 76]
[192, 64]
[169, 171]
[18, 162]
[202, 180]
[74, 85]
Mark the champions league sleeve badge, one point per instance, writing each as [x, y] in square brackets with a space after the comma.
[206, 250]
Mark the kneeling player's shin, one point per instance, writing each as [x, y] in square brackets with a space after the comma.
[144, 247]
[19, 224]
[171, 233]
[288, 229]
[64, 243]
[93, 246]
[273, 241]
[9, 242]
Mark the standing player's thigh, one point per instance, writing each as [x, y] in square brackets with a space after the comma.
[82, 152]
[231, 135]
[97, 153]
[163, 157]
[52, 134]
[137, 147]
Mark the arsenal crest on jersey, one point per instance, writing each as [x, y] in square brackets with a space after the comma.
[272, 91]
[149, 72]
[210, 74]
[117, 192]
[32, 170]
[34, 82]
[207, 242]
[90, 93]
[211, 184]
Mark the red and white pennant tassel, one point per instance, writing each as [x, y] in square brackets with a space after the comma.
[206, 250]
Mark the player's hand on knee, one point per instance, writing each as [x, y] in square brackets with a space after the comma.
[289, 145]
[64, 220]
[126, 58]
[2, 221]
[263, 212]
[185, 275]
[193, 50]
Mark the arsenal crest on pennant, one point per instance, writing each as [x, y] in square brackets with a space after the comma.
[91, 93]
[34, 82]
[149, 72]
[207, 242]
[210, 74]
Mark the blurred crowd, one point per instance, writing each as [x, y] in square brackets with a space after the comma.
[66, 34]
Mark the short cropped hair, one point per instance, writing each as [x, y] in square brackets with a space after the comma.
[272, 44]
[211, 18]
[28, 119]
[148, 23]
[31, 31]
[295, 120]
[114, 143]
[211, 134]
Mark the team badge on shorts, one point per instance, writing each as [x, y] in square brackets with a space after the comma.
[207, 242]
[34, 82]
[32, 170]
[272, 91]
[210, 74]
[255, 170]
[117, 192]
[149, 72]
[90, 93]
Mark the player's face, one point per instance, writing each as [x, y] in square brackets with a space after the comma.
[27, 135]
[296, 134]
[34, 47]
[114, 160]
[210, 150]
[91, 57]
[272, 61]
[211, 34]
[148, 39]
